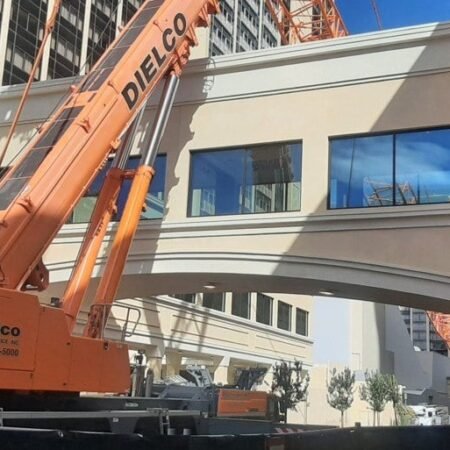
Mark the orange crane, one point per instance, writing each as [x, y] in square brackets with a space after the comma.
[441, 323]
[38, 351]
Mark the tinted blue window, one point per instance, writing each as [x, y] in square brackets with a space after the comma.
[257, 179]
[154, 201]
[361, 172]
[422, 168]
[362, 169]
[216, 182]
[272, 179]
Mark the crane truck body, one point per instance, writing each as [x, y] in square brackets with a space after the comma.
[38, 351]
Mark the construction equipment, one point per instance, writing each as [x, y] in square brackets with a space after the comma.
[306, 20]
[38, 351]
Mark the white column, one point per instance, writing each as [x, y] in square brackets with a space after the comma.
[253, 306]
[84, 40]
[4, 29]
[46, 55]
[119, 16]
[235, 25]
[274, 313]
[260, 23]
[173, 364]
[221, 374]
[154, 361]
[227, 302]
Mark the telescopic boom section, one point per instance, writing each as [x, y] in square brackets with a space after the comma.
[39, 193]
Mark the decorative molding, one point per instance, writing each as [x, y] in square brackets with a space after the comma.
[386, 55]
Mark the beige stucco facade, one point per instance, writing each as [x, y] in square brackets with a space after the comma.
[387, 81]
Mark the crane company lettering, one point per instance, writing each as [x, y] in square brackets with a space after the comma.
[153, 61]
[9, 341]
[9, 331]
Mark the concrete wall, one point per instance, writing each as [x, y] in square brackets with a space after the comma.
[369, 83]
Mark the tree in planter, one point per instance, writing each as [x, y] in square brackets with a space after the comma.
[374, 392]
[393, 395]
[290, 385]
[340, 391]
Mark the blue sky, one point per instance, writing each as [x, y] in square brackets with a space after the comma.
[359, 16]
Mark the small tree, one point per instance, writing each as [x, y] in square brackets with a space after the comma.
[393, 395]
[290, 385]
[340, 391]
[374, 392]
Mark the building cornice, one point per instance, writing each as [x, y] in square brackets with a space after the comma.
[378, 56]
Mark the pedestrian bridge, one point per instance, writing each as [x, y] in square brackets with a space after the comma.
[379, 240]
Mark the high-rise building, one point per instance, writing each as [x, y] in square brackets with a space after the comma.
[242, 25]
[84, 30]
[421, 330]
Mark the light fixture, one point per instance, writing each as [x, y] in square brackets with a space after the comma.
[327, 293]
[210, 286]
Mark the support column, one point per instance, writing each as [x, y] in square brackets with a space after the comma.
[119, 16]
[46, 55]
[154, 362]
[85, 36]
[173, 364]
[235, 25]
[4, 29]
[274, 312]
[221, 374]
[261, 23]
[227, 302]
[253, 306]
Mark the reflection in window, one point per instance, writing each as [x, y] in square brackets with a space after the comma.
[400, 169]
[260, 179]
[361, 172]
[284, 316]
[154, 201]
[214, 300]
[65, 47]
[422, 167]
[301, 322]
[264, 309]
[240, 305]
[102, 29]
[26, 29]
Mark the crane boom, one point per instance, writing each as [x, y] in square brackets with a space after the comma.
[37, 351]
[38, 194]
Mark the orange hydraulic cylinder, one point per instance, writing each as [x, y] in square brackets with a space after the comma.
[109, 283]
[79, 282]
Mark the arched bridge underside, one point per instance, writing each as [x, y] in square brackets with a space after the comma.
[372, 84]
[354, 257]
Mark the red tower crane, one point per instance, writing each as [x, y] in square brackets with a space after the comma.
[306, 20]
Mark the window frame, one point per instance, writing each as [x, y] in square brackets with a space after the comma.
[214, 293]
[306, 322]
[249, 300]
[244, 147]
[270, 324]
[289, 309]
[393, 133]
